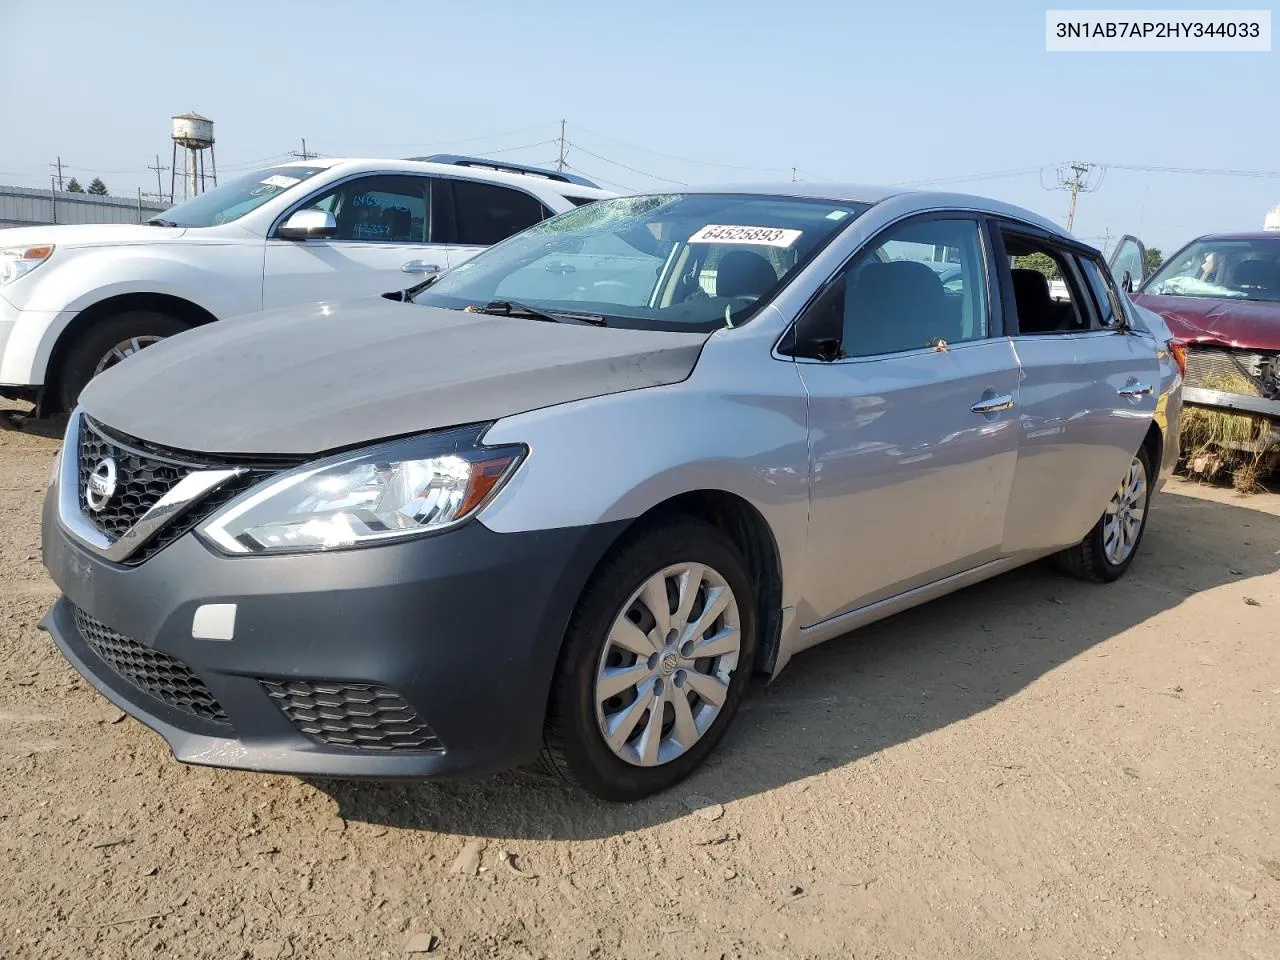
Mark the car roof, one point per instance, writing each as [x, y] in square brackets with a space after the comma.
[454, 170]
[873, 194]
[1243, 235]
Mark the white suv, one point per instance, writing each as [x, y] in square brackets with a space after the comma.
[75, 300]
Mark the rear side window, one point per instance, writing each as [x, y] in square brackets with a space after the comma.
[1104, 292]
[487, 213]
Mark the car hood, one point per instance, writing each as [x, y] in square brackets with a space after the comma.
[89, 235]
[1251, 324]
[308, 380]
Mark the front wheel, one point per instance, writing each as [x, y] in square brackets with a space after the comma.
[656, 660]
[1109, 548]
[106, 342]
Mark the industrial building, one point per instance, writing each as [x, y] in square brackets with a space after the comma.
[30, 207]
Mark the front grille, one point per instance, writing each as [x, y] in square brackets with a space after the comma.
[1231, 371]
[141, 480]
[357, 715]
[144, 474]
[166, 678]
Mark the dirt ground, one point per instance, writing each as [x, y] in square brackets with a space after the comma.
[1032, 768]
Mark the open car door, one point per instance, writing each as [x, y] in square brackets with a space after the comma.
[1129, 263]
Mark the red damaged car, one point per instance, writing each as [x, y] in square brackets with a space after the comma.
[1220, 294]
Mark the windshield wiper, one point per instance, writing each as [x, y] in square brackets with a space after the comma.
[513, 308]
[160, 222]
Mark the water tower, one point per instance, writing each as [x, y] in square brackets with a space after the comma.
[192, 135]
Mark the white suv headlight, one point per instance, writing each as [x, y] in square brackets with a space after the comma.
[17, 262]
[394, 491]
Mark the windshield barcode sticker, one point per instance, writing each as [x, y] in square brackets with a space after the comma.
[760, 236]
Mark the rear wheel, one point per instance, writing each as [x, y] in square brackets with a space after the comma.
[106, 342]
[1108, 550]
[655, 662]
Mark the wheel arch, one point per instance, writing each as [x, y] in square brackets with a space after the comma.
[175, 306]
[743, 523]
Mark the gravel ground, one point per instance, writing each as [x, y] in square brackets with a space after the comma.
[1032, 768]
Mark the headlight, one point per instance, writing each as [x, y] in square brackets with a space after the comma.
[16, 262]
[396, 490]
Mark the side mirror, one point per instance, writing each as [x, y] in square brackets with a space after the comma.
[308, 225]
[1127, 283]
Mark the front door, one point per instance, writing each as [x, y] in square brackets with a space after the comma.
[1129, 263]
[911, 420]
[385, 222]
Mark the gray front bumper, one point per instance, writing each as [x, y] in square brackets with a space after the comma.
[465, 626]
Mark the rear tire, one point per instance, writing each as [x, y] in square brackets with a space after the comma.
[1109, 548]
[105, 342]
[658, 739]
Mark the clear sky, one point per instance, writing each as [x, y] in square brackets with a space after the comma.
[883, 92]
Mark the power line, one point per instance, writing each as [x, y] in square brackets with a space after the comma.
[643, 173]
[525, 146]
[419, 145]
[967, 178]
[668, 156]
[1198, 171]
[594, 177]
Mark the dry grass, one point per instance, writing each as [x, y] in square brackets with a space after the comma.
[1216, 441]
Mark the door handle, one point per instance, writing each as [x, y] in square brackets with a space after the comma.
[993, 404]
[420, 266]
[1136, 390]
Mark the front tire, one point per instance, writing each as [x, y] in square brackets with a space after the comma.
[656, 659]
[106, 342]
[1109, 548]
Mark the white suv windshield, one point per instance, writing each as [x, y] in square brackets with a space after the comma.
[234, 199]
[665, 262]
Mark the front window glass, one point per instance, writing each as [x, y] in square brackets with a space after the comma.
[385, 208]
[1222, 269]
[920, 285]
[664, 262]
[232, 200]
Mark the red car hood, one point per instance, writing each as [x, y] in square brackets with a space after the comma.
[1251, 324]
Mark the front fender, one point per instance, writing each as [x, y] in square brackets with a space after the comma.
[229, 283]
[616, 457]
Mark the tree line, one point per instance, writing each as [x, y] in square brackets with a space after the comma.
[96, 187]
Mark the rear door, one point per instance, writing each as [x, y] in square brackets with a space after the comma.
[1089, 388]
[475, 214]
[912, 425]
[385, 242]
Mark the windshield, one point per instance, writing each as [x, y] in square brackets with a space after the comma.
[234, 199]
[1223, 269]
[692, 262]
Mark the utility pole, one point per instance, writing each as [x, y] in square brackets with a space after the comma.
[157, 168]
[560, 156]
[1106, 240]
[58, 167]
[304, 155]
[1077, 183]
[793, 174]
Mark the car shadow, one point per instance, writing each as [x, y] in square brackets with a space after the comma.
[883, 685]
